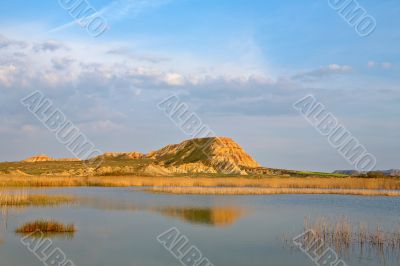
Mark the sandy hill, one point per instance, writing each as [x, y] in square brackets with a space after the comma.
[210, 155]
[123, 155]
[38, 158]
[217, 155]
[45, 158]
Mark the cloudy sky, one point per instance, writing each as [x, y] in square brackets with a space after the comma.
[239, 65]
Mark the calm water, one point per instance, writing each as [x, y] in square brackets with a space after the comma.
[119, 227]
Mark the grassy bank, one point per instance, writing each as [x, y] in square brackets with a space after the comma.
[188, 181]
[269, 191]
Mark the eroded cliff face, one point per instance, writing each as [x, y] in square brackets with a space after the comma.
[208, 155]
[38, 158]
[45, 158]
[123, 155]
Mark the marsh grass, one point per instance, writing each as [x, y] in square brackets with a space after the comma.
[342, 234]
[267, 191]
[204, 181]
[46, 226]
[23, 199]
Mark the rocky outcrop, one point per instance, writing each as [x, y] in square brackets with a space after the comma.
[45, 158]
[38, 158]
[205, 155]
[68, 160]
[156, 170]
[123, 155]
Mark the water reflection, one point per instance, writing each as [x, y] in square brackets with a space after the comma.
[119, 227]
[39, 235]
[216, 216]
[3, 224]
[212, 216]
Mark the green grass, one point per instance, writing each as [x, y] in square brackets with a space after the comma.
[320, 174]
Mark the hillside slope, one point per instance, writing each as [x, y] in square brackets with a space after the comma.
[209, 155]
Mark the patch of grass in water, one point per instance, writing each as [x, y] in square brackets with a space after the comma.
[46, 227]
[343, 234]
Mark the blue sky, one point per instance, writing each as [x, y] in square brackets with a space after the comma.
[238, 64]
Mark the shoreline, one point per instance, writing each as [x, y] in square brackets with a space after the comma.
[237, 185]
[245, 191]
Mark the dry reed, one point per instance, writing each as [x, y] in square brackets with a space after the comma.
[46, 226]
[268, 191]
[343, 234]
[187, 181]
[24, 199]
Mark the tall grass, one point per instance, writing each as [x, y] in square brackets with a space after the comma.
[46, 226]
[187, 181]
[343, 234]
[268, 191]
[24, 199]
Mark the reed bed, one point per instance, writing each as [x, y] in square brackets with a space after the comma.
[188, 181]
[343, 234]
[46, 226]
[24, 199]
[268, 191]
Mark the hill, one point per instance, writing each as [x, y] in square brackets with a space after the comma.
[203, 157]
[209, 155]
[45, 158]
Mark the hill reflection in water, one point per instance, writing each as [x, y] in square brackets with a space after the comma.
[211, 216]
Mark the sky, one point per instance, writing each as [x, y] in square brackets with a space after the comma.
[238, 65]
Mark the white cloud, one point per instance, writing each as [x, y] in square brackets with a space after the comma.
[383, 65]
[387, 65]
[7, 43]
[29, 129]
[323, 71]
[7, 75]
[339, 68]
[55, 64]
[371, 64]
[174, 79]
[49, 46]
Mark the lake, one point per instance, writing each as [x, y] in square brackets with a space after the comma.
[120, 226]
